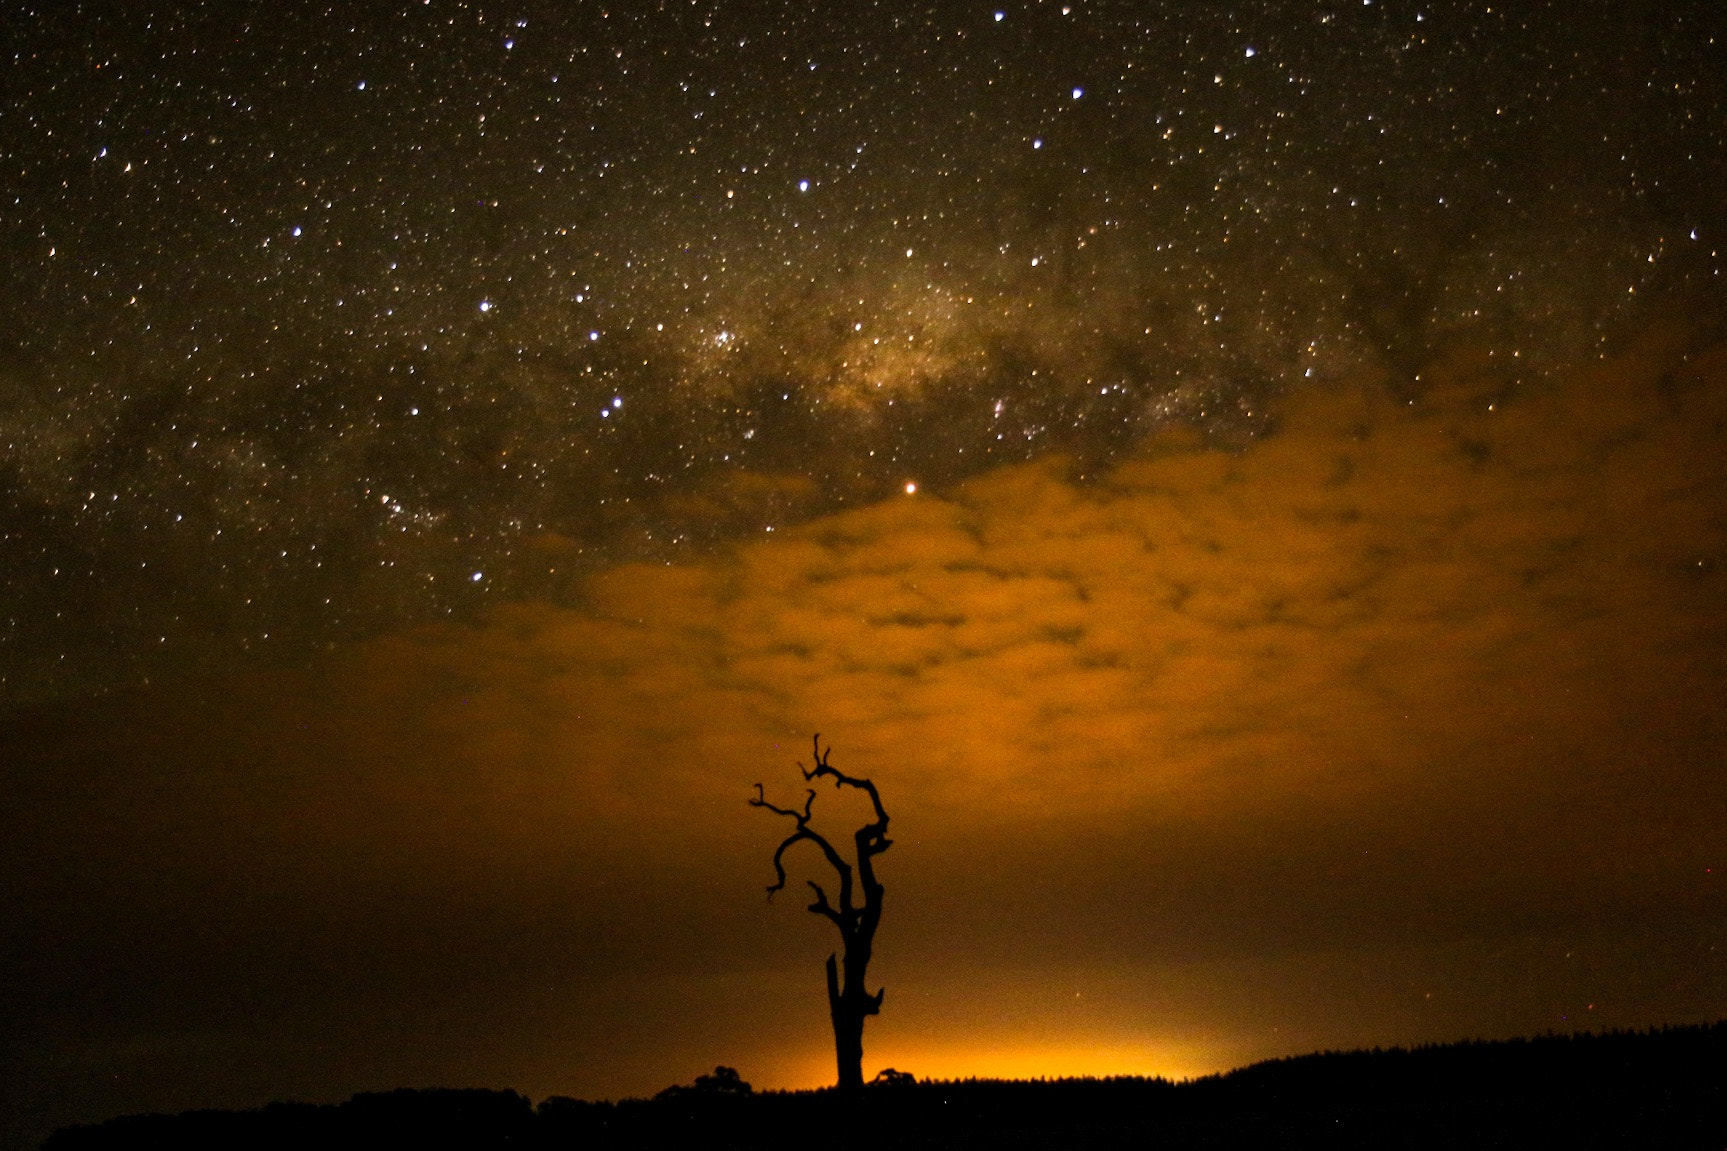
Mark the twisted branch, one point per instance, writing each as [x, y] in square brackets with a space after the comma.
[871, 839]
[878, 830]
[806, 832]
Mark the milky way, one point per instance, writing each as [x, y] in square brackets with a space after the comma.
[317, 321]
[1249, 482]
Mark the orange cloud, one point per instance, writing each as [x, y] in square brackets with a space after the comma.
[1395, 680]
[1330, 610]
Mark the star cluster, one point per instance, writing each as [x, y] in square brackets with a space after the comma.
[320, 319]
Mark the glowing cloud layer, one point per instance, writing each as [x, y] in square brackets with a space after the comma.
[1410, 699]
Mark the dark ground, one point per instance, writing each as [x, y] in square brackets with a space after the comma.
[1661, 1089]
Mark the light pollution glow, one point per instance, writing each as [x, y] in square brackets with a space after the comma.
[1401, 724]
[1246, 480]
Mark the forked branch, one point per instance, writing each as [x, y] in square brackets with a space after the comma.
[806, 832]
[877, 831]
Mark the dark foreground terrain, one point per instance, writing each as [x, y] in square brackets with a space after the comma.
[1661, 1089]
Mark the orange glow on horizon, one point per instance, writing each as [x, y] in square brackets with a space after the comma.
[1060, 1059]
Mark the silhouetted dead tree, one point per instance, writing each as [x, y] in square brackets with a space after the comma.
[848, 1003]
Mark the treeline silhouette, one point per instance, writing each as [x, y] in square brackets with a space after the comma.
[1665, 1088]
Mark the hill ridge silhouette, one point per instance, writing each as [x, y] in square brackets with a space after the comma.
[1660, 1087]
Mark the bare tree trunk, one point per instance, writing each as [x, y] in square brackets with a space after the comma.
[848, 1032]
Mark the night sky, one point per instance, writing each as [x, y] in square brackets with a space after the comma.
[1249, 482]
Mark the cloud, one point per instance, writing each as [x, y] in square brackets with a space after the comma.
[1400, 680]
[1354, 601]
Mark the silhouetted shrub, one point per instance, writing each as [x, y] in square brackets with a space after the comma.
[724, 1083]
[888, 1077]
